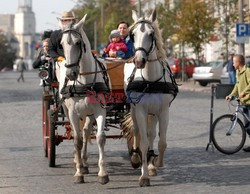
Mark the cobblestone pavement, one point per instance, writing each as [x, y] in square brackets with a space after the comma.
[188, 167]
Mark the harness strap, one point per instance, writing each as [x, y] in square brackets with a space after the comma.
[82, 90]
[108, 69]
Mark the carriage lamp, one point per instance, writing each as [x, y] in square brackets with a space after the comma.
[43, 74]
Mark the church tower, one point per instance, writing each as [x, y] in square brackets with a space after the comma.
[25, 28]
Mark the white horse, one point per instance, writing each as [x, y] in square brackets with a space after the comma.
[150, 87]
[78, 77]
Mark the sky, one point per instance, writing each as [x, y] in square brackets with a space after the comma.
[45, 11]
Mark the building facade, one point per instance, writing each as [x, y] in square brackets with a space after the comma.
[25, 29]
[20, 30]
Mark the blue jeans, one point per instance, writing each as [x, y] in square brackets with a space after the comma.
[120, 54]
[246, 110]
[232, 77]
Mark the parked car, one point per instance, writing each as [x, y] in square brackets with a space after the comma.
[5, 69]
[211, 72]
[176, 67]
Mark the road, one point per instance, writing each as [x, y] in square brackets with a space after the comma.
[189, 168]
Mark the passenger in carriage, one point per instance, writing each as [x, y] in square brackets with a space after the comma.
[122, 27]
[116, 45]
[55, 47]
[43, 60]
[43, 56]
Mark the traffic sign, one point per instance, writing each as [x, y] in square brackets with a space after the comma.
[242, 29]
[242, 33]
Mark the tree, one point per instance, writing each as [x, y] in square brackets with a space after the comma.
[228, 17]
[90, 8]
[114, 11]
[7, 54]
[195, 25]
[166, 18]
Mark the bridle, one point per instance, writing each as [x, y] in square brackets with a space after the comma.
[153, 42]
[81, 45]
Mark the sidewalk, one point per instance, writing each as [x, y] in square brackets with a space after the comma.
[190, 85]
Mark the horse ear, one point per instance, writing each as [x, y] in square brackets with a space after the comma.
[152, 17]
[134, 16]
[81, 22]
[60, 24]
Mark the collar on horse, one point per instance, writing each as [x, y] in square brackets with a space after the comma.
[144, 86]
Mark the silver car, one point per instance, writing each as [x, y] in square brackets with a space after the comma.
[208, 73]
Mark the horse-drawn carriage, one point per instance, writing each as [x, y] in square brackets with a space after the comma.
[53, 115]
[83, 97]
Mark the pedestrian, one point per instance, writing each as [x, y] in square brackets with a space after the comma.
[21, 67]
[122, 27]
[230, 68]
[116, 45]
[242, 88]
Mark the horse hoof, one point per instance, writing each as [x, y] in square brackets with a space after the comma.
[79, 180]
[85, 170]
[152, 172]
[156, 162]
[135, 165]
[103, 180]
[144, 182]
[135, 161]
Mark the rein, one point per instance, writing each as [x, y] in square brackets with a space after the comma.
[108, 69]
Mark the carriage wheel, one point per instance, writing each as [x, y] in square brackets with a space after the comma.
[51, 139]
[45, 108]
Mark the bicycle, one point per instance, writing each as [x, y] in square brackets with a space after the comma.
[228, 132]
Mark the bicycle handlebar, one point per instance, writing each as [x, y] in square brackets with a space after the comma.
[236, 98]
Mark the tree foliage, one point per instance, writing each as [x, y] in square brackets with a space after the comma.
[189, 22]
[167, 20]
[113, 12]
[195, 26]
[7, 54]
[228, 15]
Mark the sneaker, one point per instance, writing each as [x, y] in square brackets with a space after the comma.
[247, 149]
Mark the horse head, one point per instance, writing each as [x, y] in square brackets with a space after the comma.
[73, 46]
[142, 34]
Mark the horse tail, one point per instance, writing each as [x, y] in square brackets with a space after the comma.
[127, 127]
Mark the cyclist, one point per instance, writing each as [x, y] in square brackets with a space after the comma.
[242, 88]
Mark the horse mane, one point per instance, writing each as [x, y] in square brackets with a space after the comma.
[161, 54]
[85, 39]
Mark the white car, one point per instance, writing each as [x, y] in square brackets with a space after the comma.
[211, 72]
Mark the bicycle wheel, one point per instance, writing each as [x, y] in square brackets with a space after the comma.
[228, 144]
